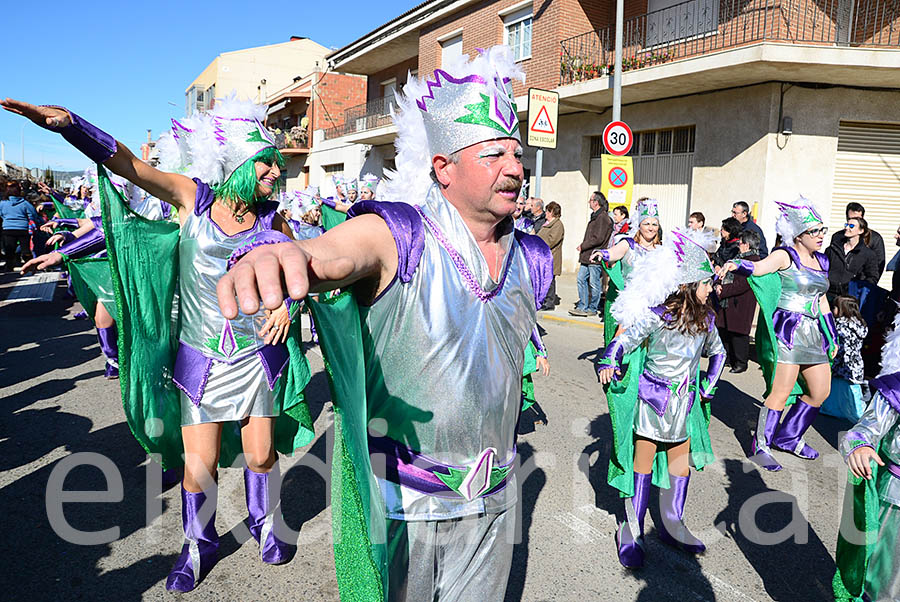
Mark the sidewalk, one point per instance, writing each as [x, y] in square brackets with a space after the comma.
[568, 292]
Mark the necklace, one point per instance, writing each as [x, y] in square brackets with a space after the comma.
[238, 216]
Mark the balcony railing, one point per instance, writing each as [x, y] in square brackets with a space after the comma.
[367, 116]
[294, 138]
[702, 26]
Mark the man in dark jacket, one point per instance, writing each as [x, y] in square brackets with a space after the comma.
[536, 214]
[741, 212]
[876, 242]
[590, 276]
[16, 212]
[737, 306]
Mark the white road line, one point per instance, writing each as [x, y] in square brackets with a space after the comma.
[39, 287]
[583, 531]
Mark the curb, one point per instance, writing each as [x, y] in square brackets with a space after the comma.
[583, 323]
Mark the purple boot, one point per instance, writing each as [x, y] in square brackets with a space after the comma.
[201, 546]
[263, 501]
[630, 535]
[109, 344]
[760, 450]
[789, 437]
[672, 530]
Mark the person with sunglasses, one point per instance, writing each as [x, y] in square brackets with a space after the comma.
[851, 258]
[797, 334]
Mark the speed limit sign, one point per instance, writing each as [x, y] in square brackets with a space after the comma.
[617, 138]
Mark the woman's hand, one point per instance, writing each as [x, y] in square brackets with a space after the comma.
[44, 189]
[55, 239]
[49, 227]
[42, 262]
[729, 266]
[543, 364]
[43, 116]
[606, 375]
[275, 330]
[859, 462]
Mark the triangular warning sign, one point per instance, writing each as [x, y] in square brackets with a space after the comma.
[542, 123]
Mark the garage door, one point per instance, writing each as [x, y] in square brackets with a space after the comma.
[867, 170]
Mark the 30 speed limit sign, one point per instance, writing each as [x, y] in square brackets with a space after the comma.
[617, 138]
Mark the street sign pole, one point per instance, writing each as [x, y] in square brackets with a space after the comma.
[617, 74]
[538, 169]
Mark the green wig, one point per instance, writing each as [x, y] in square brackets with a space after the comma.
[241, 185]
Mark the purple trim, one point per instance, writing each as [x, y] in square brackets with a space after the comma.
[797, 419]
[461, 266]
[86, 137]
[109, 341]
[205, 197]
[661, 313]
[857, 436]
[538, 342]
[604, 254]
[893, 469]
[744, 268]
[540, 264]
[613, 354]
[67, 237]
[831, 327]
[273, 356]
[654, 391]
[713, 373]
[92, 242]
[889, 387]
[329, 202]
[412, 469]
[265, 213]
[266, 237]
[191, 372]
[785, 324]
[68, 222]
[795, 257]
[405, 224]
[432, 85]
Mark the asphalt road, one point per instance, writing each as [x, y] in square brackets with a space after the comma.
[56, 403]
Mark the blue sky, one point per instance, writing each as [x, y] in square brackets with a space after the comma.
[120, 64]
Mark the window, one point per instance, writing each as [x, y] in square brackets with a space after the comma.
[451, 48]
[387, 93]
[670, 20]
[517, 32]
[653, 142]
[335, 169]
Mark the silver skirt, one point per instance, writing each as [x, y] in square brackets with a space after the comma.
[807, 345]
[233, 392]
[671, 427]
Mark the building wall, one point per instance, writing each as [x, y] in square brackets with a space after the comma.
[734, 159]
[208, 76]
[398, 71]
[335, 93]
[330, 152]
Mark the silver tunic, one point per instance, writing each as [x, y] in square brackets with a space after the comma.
[444, 367]
[879, 424]
[237, 385]
[801, 290]
[673, 357]
[634, 251]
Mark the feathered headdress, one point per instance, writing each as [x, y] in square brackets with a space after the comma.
[211, 145]
[464, 103]
[890, 353]
[369, 181]
[682, 259]
[796, 218]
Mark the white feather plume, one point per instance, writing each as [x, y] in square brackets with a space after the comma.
[705, 238]
[890, 353]
[788, 229]
[643, 291]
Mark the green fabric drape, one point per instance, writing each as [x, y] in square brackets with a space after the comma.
[332, 217]
[529, 368]
[357, 508]
[861, 510]
[63, 211]
[92, 284]
[143, 257]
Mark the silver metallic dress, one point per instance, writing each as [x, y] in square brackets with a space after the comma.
[880, 424]
[668, 385]
[236, 384]
[801, 290]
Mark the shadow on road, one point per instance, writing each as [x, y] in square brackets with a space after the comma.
[529, 491]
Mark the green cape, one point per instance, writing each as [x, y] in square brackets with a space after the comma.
[861, 506]
[92, 283]
[332, 217]
[767, 290]
[63, 211]
[529, 368]
[143, 258]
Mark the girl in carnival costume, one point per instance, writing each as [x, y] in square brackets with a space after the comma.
[869, 567]
[661, 422]
[618, 261]
[796, 334]
[229, 372]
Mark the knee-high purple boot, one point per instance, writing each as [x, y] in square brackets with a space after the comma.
[798, 418]
[760, 450]
[630, 535]
[263, 500]
[109, 344]
[672, 530]
[201, 547]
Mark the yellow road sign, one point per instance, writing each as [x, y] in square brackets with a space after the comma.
[617, 182]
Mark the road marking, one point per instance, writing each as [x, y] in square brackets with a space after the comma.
[570, 321]
[583, 531]
[39, 287]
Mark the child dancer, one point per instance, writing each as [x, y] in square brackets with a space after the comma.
[667, 414]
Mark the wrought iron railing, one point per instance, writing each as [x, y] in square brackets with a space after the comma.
[293, 138]
[367, 116]
[701, 26]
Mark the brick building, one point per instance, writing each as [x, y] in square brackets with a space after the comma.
[755, 100]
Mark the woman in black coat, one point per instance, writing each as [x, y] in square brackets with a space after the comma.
[851, 258]
[737, 307]
[728, 247]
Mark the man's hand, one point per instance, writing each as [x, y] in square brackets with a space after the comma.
[42, 262]
[265, 271]
[43, 116]
[859, 462]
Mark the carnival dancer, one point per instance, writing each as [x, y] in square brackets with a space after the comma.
[796, 335]
[618, 261]
[444, 271]
[304, 206]
[662, 422]
[868, 566]
[226, 370]
[368, 185]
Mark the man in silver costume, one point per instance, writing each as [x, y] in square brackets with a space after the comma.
[451, 290]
